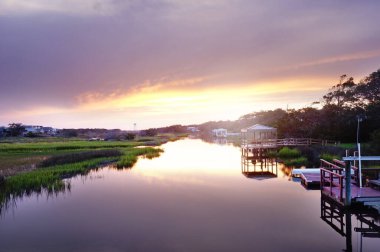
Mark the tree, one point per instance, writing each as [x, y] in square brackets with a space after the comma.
[149, 132]
[15, 129]
[342, 94]
[130, 136]
[368, 90]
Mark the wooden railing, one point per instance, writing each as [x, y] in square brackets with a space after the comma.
[330, 179]
[331, 167]
[288, 142]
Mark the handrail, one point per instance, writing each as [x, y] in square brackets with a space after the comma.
[289, 141]
[327, 176]
[339, 162]
[330, 166]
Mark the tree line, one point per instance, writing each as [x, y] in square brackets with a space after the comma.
[335, 117]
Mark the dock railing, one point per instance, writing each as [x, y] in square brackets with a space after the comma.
[331, 167]
[330, 179]
[262, 143]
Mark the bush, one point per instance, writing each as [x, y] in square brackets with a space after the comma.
[130, 136]
[31, 134]
[287, 153]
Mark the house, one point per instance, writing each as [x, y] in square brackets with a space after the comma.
[219, 132]
[2, 131]
[49, 131]
[33, 129]
[193, 129]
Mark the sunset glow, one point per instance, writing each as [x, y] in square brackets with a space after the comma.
[112, 64]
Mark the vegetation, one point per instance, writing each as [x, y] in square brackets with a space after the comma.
[333, 117]
[329, 157]
[296, 162]
[130, 157]
[287, 153]
[53, 161]
[79, 157]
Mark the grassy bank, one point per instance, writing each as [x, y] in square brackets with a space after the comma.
[41, 166]
[309, 155]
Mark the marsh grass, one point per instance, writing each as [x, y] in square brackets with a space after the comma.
[79, 157]
[49, 179]
[130, 156]
[46, 147]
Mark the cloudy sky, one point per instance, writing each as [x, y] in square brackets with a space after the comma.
[113, 63]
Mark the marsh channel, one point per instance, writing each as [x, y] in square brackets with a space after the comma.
[193, 197]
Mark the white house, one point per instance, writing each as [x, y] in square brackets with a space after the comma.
[33, 129]
[193, 129]
[219, 132]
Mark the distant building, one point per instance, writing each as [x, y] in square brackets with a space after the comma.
[33, 129]
[49, 131]
[36, 129]
[219, 132]
[193, 129]
[2, 131]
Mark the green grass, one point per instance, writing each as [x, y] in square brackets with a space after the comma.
[18, 154]
[287, 153]
[44, 162]
[347, 145]
[79, 157]
[130, 156]
[44, 179]
[52, 170]
[49, 147]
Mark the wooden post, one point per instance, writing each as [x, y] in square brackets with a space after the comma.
[348, 231]
[347, 201]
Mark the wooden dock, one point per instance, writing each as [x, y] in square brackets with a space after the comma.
[310, 180]
[342, 185]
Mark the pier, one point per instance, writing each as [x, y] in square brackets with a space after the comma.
[343, 184]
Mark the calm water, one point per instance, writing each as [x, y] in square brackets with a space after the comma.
[192, 198]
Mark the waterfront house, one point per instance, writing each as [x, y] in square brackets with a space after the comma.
[219, 132]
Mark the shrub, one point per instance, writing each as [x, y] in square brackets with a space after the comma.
[286, 153]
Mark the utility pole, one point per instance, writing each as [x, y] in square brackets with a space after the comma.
[360, 119]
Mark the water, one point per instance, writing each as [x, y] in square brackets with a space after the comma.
[192, 198]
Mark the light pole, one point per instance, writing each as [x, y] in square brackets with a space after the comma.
[360, 119]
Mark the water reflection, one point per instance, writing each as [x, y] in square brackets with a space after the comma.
[340, 220]
[192, 198]
[261, 168]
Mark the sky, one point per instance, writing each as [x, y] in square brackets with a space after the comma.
[153, 63]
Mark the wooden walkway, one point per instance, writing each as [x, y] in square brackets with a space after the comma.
[275, 143]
